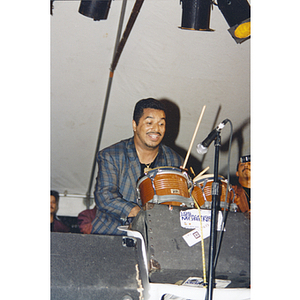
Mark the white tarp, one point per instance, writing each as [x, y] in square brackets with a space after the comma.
[188, 68]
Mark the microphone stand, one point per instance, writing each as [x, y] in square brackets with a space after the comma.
[213, 226]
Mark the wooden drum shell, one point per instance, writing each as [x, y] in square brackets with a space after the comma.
[166, 184]
[202, 191]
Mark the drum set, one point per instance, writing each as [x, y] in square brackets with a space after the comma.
[173, 186]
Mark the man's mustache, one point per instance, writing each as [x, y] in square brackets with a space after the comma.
[154, 133]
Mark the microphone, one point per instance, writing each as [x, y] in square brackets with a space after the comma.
[202, 148]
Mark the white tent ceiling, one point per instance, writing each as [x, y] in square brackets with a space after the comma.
[187, 68]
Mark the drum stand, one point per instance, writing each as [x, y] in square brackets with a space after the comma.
[213, 227]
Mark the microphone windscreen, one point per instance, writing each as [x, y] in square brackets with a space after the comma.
[201, 149]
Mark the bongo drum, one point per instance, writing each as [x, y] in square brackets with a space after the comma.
[202, 191]
[165, 185]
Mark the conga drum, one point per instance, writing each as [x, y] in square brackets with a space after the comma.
[165, 185]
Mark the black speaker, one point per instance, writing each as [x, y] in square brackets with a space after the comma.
[89, 267]
[171, 259]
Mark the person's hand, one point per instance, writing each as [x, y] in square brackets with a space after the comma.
[134, 211]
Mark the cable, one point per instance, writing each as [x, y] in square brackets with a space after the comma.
[202, 244]
[225, 212]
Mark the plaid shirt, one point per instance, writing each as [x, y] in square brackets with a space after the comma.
[115, 191]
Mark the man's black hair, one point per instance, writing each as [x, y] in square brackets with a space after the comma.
[246, 158]
[55, 194]
[146, 103]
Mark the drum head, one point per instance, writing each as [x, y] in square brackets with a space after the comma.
[209, 177]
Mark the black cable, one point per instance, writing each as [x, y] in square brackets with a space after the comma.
[225, 212]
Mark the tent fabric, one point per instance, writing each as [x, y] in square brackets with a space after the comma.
[188, 69]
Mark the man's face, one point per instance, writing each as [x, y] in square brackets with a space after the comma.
[244, 170]
[52, 204]
[151, 128]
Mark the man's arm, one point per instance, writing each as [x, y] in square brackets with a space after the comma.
[108, 196]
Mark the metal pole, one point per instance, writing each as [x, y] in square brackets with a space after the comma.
[135, 11]
[213, 227]
[121, 21]
[117, 53]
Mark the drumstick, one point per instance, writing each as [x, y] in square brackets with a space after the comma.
[193, 138]
[200, 174]
[192, 170]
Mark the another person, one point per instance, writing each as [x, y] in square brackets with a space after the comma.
[122, 164]
[85, 219]
[243, 189]
[55, 224]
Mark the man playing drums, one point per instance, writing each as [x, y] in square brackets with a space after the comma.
[243, 189]
[122, 164]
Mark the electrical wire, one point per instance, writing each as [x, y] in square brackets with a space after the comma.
[202, 244]
[225, 212]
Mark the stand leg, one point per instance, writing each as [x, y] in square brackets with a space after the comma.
[213, 227]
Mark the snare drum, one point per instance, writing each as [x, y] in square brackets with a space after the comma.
[165, 185]
[202, 191]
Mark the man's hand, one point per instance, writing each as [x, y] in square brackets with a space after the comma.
[134, 211]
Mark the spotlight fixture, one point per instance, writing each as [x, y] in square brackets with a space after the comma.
[51, 7]
[95, 9]
[237, 15]
[196, 14]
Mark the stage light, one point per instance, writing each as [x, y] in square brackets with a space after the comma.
[237, 15]
[95, 9]
[196, 14]
[51, 7]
